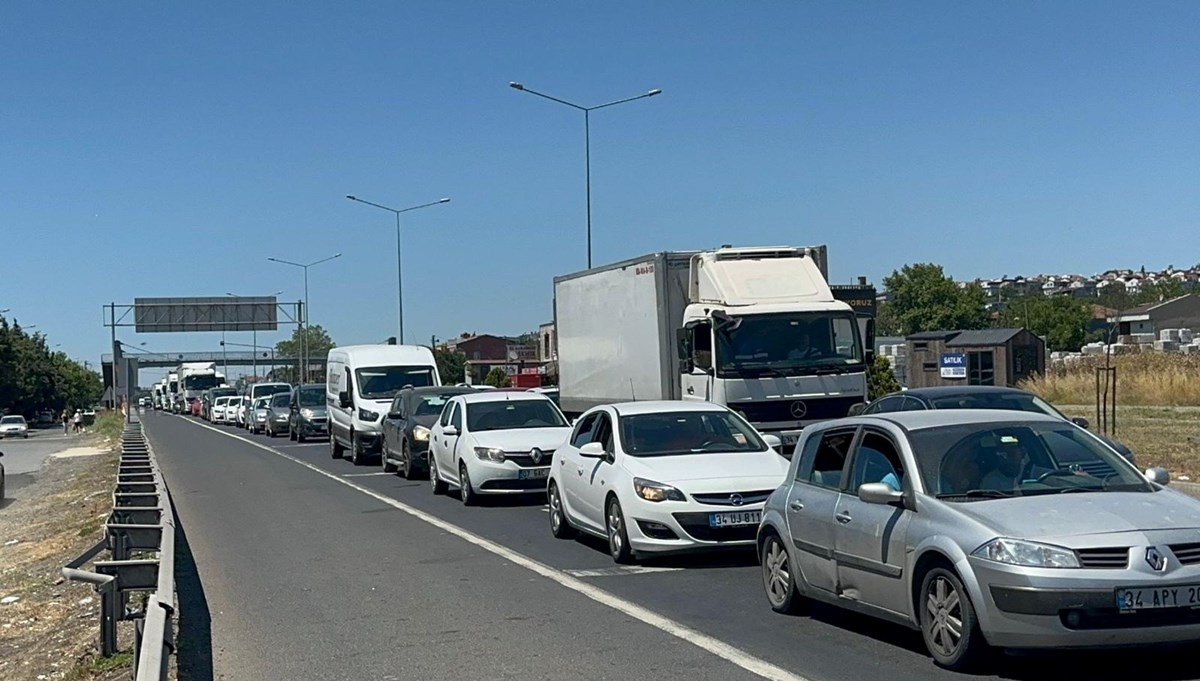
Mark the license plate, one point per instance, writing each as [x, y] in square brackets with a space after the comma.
[735, 519]
[533, 473]
[1134, 599]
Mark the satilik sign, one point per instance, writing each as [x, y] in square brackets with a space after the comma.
[953, 364]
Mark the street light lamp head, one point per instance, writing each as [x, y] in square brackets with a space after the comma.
[655, 91]
[352, 197]
[515, 85]
[445, 200]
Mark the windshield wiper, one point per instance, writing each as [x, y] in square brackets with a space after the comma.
[978, 494]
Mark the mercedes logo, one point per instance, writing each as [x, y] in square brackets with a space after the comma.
[536, 455]
[1155, 559]
[799, 409]
[735, 499]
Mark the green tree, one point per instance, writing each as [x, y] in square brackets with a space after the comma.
[498, 378]
[319, 343]
[452, 365]
[1061, 320]
[922, 298]
[880, 379]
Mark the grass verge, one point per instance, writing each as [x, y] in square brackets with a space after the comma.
[1147, 379]
[1159, 436]
[109, 424]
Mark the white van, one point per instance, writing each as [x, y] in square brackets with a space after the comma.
[360, 384]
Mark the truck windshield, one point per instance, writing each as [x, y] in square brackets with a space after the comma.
[173, 387]
[790, 344]
[202, 382]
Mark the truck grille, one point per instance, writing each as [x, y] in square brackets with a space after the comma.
[815, 409]
[1110, 558]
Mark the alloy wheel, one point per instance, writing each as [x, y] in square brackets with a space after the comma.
[779, 575]
[943, 604]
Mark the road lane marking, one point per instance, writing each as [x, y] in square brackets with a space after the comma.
[721, 649]
[620, 571]
[363, 475]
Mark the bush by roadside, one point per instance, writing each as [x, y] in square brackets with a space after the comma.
[109, 425]
[1153, 379]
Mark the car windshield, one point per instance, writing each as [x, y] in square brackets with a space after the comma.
[1013, 401]
[377, 383]
[431, 404]
[269, 390]
[793, 344]
[695, 432]
[281, 400]
[12, 419]
[994, 460]
[513, 414]
[262, 402]
[312, 396]
[219, 392]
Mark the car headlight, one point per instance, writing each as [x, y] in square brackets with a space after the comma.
[490, 454]
[367, 415]
[420, 433]
[656, 491]
[1027, 554]
[307, 413]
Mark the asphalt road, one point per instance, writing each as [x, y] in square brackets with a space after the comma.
[24, 457]
[300, 566]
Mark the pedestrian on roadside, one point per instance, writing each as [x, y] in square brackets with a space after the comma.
[66, 421]
[78, 420]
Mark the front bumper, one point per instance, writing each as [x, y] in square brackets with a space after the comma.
[670, 526]
[314, 425]
[491, 477]
[1076, 608]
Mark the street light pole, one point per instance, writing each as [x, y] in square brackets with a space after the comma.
[307, 311]
[399, 270]
[587, 143]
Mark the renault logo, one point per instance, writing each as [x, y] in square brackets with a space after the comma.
[536, 455]
[799, 409]
[735, 499]
[1155, 559]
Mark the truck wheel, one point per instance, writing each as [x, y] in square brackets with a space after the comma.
[335, 450]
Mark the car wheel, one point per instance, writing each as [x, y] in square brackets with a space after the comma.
[435, 483]
[778, 578]
[465, 491]
[948, 622]
[618, 538]
[388, 466]
[335, 450]
[355, 457]
[560, 527]
[406, 467]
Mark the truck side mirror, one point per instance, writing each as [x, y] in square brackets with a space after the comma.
[684, 347]
[686, 366]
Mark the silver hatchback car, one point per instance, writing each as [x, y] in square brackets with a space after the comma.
[983, 528]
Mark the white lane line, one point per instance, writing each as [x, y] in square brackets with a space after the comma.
[721, 649]
[620, 571]
[363, 475]
[306, 444]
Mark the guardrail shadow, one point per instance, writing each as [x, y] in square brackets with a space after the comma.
[194, 646]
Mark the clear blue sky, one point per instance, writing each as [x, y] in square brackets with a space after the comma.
[167, 149]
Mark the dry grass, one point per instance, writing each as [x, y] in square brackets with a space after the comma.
[1147, 379]
[1159, 436]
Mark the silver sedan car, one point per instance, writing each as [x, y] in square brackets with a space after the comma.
[983, 528]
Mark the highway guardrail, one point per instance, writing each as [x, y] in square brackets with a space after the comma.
[139, 536]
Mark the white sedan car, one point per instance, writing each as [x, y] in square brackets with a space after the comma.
[218, 409]
[494, 442]
[661, 477]
[14, 426]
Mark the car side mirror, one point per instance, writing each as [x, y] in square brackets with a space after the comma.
[343, 399]
[592, 450]
[450, 430]
[879, 493]
[1080, 421]
[1158, 476]
[857, 408]
[772, 441]
[394, 415]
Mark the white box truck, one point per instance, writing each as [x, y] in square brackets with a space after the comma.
[755, 329]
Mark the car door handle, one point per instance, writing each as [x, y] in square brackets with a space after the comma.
[691, 390]
[843, 517]
[796, 505]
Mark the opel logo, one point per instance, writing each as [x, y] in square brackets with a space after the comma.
[536, 455]
[735, 499]
[1155, 559]
[799, 409]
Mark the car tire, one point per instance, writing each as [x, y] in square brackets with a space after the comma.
[560, 527]
[388, 466]
[406, 470]
[465, 491]
[943, 603]
[355, 456]
[435, 482]
[335, 450]
[618, 537]
[779, 580]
